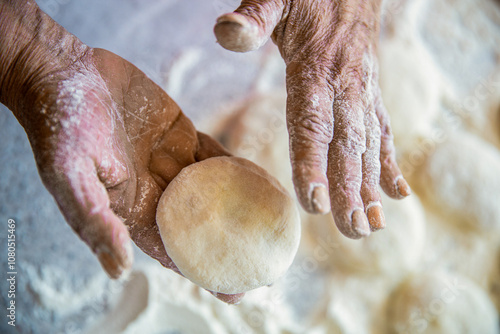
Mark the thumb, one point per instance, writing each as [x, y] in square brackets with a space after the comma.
[249, 26]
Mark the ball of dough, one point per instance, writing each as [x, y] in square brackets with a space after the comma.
[440, 303]
[228, 225]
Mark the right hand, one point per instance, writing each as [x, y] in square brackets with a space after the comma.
[341, 145]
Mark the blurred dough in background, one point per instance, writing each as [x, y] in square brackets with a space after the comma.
[435, 268]
[440, 303]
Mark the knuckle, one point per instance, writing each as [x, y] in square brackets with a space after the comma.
[373, 130]
[311, 127]
[386, 133]
[354, 134]
[356, 143]
[312, 70]
[374, 136]
[371, 181]
[352, 137]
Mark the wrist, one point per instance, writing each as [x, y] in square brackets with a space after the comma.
[35, 52]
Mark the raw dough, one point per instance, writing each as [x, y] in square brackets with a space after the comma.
[228, 225]
[392, 251]
[413, 88]
[440, 303]
[460, 180]
[257, 131]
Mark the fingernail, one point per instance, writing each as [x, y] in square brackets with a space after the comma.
[320, 200]
[402, 187]
[235, 33]
[235, 18]
[109, 263]
[360, 223]
[376, 217]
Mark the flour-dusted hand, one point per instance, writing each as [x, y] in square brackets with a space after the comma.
[107, 140]
[341, 144]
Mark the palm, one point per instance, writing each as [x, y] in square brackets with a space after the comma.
[161, 141]
[110, 143]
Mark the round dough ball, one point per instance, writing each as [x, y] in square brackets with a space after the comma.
[228, 225]
[440, 303]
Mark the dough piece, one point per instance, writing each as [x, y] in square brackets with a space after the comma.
[460, 180]
[441, 303]
[392, 251]
[228, 225]
[413, 88]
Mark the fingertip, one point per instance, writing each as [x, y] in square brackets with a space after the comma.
[116, 262]
[402, 187]
[312, 193]
[353, 226]
[229, 299]
[128, 254]
[376, 217]
[235, 32]
[320, 200]
[109, 263]
[394, 184]
[360, 225]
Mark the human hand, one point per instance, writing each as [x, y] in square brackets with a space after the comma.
[341, 145]
[107, 142]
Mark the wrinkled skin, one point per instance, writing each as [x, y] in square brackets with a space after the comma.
[107, 141]
[341, 144]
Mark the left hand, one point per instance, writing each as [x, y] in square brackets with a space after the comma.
[119, 140]
[341, 145]
[106, 139]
